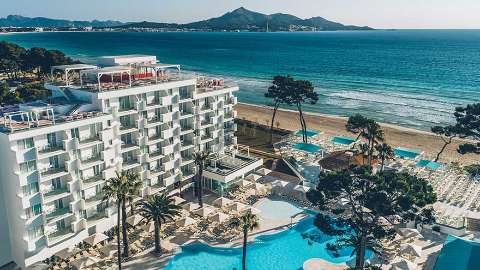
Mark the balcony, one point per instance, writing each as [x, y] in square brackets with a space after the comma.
[57, 214]
[50, 150]
[156, 155]
[128, 146]
[59, 236]
[53, 173]
[130, 164]
[91, 161]
[92, 181]
[55, 194]
[94, 200]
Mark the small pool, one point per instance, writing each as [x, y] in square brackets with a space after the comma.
[312, 148]
[429, 164]
[309, 133]
[406, 153]
[286, 250]
[343, 140]
[277, 209]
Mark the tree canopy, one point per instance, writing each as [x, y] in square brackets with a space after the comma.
[359, 207]
[468, 125]
[15, 59]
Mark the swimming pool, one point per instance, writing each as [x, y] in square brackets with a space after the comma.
[458, 253]
[309, 133]
[277, 209]
[312, 148]
[429, 164]
[286, 250]
[343, 140]
[406, 153]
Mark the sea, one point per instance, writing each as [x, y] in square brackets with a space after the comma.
[412, 78]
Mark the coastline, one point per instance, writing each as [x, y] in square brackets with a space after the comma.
[332, 125]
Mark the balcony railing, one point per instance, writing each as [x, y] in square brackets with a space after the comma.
[50, 148]
[57, 213]
[54, 170]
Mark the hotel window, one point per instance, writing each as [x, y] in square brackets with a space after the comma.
[25, 143]
[28, 166]
[52, 139]
[124, 103]
[30, 188]
[125, 120]
[54, 163]
[34, 210]
[107, 103]
[35, 232]
[75, 133]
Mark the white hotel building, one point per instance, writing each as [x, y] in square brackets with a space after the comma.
[127, 113]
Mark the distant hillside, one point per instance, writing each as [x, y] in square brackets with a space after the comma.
[20, 21]
[244, 19]
[240, 19]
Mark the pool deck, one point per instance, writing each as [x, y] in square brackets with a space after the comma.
[148, 261]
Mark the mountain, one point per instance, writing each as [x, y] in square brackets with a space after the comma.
[240, 19]
[20, 21]
[244, 19]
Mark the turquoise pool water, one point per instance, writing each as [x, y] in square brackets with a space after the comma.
[406, 153]
[429, 164]
[309, 133]
[458, 254]
[312, 148]
[286, 250]
[343, 140]
[277, 209]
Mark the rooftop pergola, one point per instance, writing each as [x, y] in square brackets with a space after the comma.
[67, 68]
[98, 73]
[158, 67]
[27, 119]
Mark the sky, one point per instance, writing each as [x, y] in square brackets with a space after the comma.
[399, 14]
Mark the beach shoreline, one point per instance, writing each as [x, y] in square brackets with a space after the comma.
[332, 125]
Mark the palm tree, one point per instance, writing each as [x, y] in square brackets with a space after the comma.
[374, 134]
[385, 152]
[123, 188]
[363, 149]
[248, 222]
[158, 208]
[357, 124]
[134, 187]
[113, 190]
[200, 157]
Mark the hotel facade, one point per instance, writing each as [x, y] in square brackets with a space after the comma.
[127, 113]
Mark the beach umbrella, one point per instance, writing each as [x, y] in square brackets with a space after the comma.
[219, 217]
[222, 202]
[191, 206]
[252, 210]
[301, 188]
[186, 221]
[238, 207]
[253, 177]
[149, 227]
[178, 200]
[411, 249]
[85, 261]
[204, 211]
[244, 183]
[108, 250]
[259, 187]
[409, 232]
[65, 253]
[134, 220]
[279, 183]
[403, 264]
[263, 171]
[95, 239]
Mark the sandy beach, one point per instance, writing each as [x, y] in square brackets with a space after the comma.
[334, 125]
